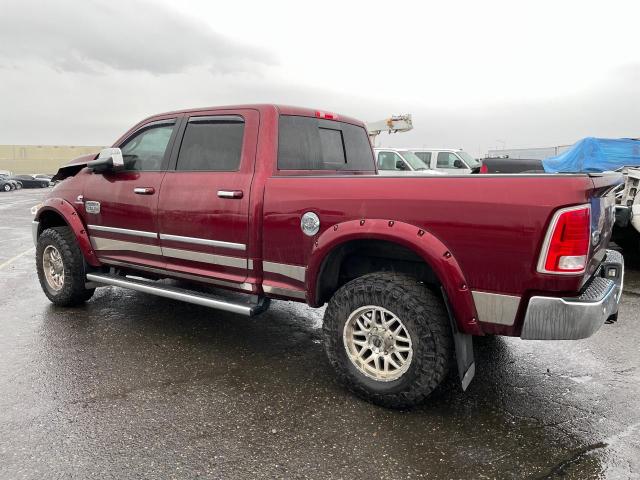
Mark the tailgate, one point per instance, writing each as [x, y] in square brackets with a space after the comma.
[603, 217]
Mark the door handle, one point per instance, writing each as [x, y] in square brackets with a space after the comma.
[144, 190]
[230, 193]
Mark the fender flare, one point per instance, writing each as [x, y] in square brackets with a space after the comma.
[424, 244]
[69, 214]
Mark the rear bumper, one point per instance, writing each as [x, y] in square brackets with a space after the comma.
[553, 318]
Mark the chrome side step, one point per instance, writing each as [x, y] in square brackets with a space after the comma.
[168, 291]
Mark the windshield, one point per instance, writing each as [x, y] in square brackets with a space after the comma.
[469, 160]
[414, 161]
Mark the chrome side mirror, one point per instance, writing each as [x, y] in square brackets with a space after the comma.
[109, 159]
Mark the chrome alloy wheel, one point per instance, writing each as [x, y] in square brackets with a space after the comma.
[53, 267]
[377, 343]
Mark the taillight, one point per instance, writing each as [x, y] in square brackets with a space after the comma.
[484, 168]
[326, 115]
[566, 245]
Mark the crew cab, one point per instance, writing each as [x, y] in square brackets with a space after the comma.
[395, 161]
[447, 160]
[279, 202]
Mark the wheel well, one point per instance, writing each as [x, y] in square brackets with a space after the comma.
[356, 258]
[49, 219]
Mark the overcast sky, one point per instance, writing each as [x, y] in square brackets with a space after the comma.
[475, 74]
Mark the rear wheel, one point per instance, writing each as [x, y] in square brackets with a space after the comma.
[44, 185]
[388, 338]
[61, 267]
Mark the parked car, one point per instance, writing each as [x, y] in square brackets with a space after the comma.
[394, 161]
[448, 160]
[29, 181]
[13, 184]
[284, 202]
[6, 185]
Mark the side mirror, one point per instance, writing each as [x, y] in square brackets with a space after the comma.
[458, 164]
[109, 160]
[400, 165]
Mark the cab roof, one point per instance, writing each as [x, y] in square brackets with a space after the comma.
[266, 107]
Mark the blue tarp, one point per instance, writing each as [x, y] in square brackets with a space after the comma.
[595, 155]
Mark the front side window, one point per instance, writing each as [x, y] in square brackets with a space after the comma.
[448, 160]
[146, 150]
[414, 161]
[211, 144]
[469, 160]
[306, 143]
[390, 161]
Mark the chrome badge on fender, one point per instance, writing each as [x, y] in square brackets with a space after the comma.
[92, 207]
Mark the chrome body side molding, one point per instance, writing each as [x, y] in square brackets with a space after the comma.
[34, 231]
[203, 241]
[122, 231]
[291, 271]
[100, 243]
[285, 292]
[496, 308]
[205, 257]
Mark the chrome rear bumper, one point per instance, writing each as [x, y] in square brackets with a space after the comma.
[553, 318]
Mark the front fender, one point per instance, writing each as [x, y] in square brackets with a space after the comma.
[423, 243]
[69, 214]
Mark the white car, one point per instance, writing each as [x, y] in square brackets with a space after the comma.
[447, 160]
[400, 161]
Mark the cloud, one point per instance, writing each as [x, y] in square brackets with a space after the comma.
[94, 36]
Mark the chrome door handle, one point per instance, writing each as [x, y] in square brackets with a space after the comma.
[230, 193]
[144, 190]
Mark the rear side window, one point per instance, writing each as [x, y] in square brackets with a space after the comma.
[306, 143]
[211, 144]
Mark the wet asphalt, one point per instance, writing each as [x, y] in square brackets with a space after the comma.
[135, 386]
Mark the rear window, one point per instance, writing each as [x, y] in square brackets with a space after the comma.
[306, 143]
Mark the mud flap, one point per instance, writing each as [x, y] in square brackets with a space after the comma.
[464, 348]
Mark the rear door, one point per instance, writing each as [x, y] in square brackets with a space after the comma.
[204, 200]
[119, 208]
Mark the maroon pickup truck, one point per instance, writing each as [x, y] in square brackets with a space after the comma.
[284, 202]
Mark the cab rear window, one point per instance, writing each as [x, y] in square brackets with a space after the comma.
[306, 143]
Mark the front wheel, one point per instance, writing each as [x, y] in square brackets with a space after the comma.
[389, 339]
[61, 267]
[6, 187]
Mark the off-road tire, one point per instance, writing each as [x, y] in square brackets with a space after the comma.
[424, 315]
[73, 291]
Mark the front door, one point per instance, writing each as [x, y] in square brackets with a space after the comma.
[449, 162]
[204, 201]
[120, 207]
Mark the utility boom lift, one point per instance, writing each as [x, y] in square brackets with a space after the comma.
[393, 124]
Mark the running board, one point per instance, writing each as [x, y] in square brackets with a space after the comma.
[168, 291]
